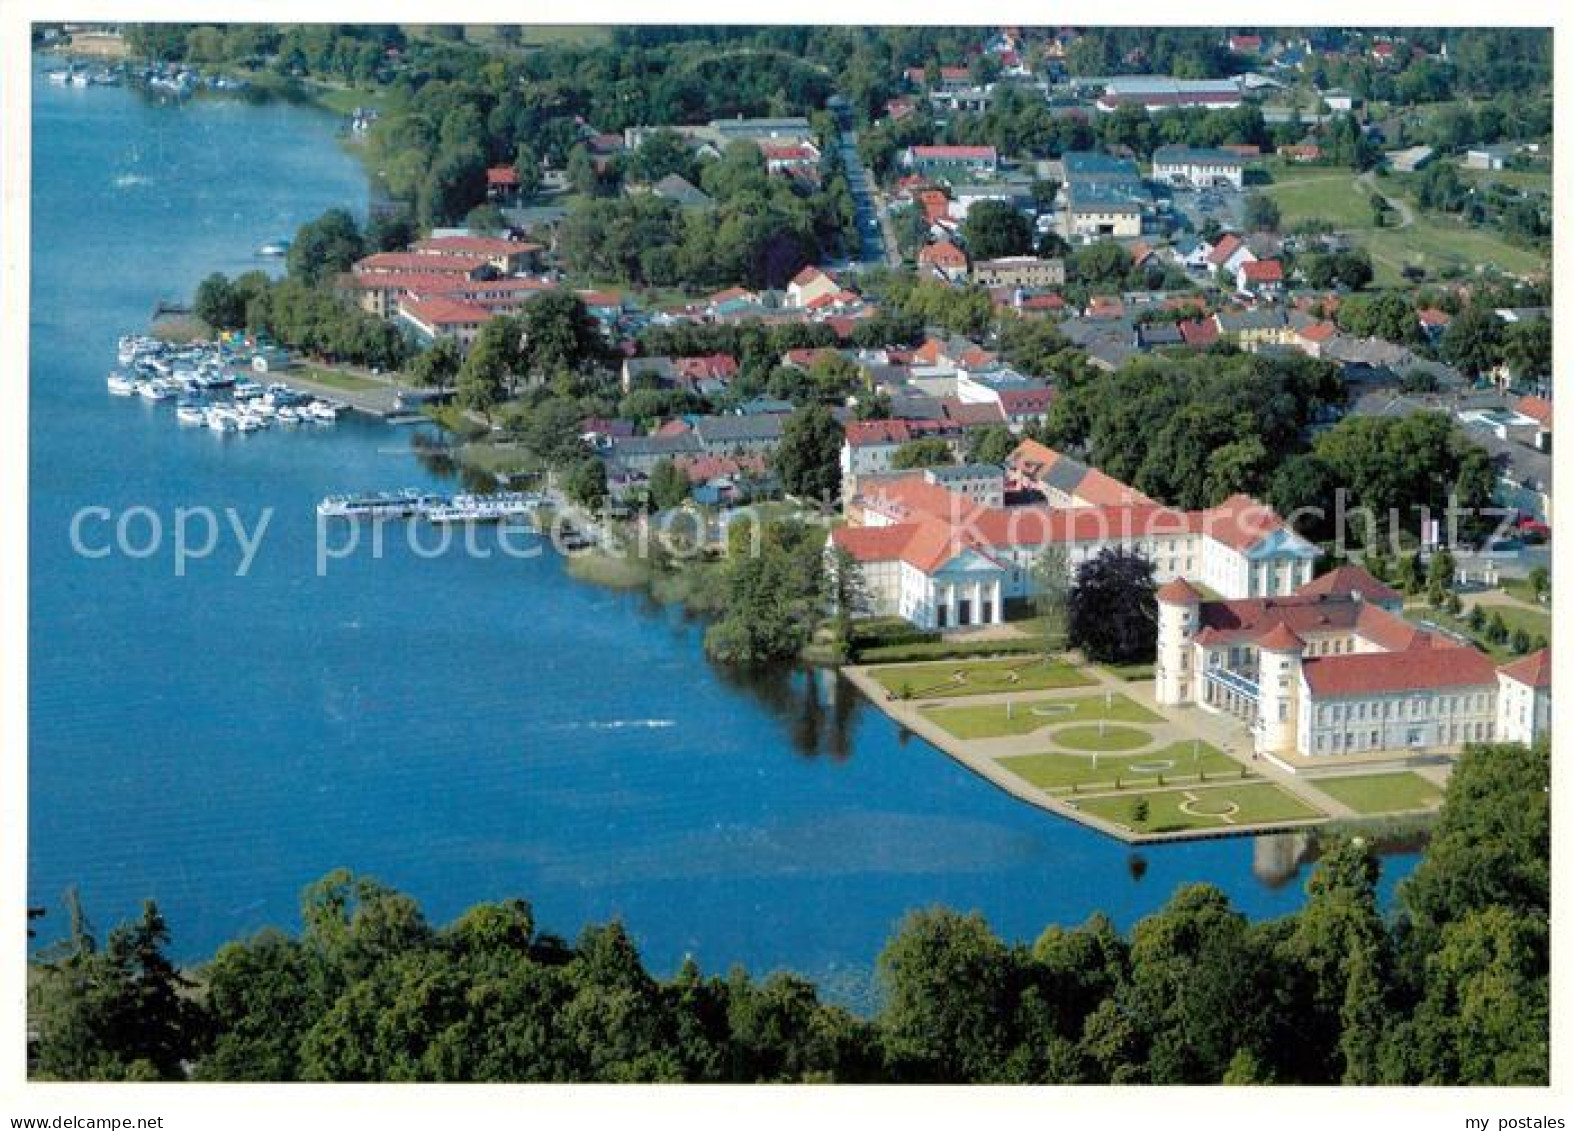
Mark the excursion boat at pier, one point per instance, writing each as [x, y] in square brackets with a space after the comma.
[402, 504]
[502, 507]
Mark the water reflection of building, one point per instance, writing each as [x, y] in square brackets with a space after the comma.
[1276, 859]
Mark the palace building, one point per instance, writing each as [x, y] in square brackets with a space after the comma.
[1333, 669]
[1314, 667]
[943, 559]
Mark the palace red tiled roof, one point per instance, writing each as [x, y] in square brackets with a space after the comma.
[1179, 591]
[1377, 673]
[1280, 638]
[1534, 670]
[1348, 579]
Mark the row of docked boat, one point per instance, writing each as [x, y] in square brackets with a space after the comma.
[84, 76]
[500, 507]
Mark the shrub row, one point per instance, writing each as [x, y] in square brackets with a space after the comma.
[949, 650]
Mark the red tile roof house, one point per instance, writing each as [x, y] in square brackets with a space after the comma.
[1538, 409]
[1262, 277]
[969, 159]
[508, 257]
[1311, 339]
[945, 259]
[502, 183]
[1199, 333]
[1228, 253]
[440, 317]
[1433, 321]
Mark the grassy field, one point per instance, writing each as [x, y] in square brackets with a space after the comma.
[1179, 762]
[1382, 793]
[1533, 180]
[1177, 810]
[337, 380]
[1315, 193]
[1439, 244]
[978, 677]
[344, 99]
[498, 458]
[1101, 738]
[1000, 719]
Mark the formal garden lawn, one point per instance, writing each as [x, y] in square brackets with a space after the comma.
[1101, 738]
[1382, 793]
[999, 719]
[978, 677]
[1178, 762]
[1177, 810]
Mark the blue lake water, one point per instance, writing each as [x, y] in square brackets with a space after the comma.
[462, 729]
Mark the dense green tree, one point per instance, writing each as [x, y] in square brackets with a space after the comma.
[669, 486]
[488, 370]
[586, 483]
[1112, 608]
[218, 304]
[773, 597]
[560, 335]
[1473, 341]
[1195, 995]
[436, 366]
[926, 452]
[808, 459]
[947, 980]
[1262, 213]
[994, 228]
[1401, 464]
[120, 1013]
[325, 247]
[1051, 572]
[992, 445]
[847, 592]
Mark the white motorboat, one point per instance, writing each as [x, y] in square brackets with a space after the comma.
[189, 413]
[262, 407]
[248, 422]
[287, 415]
[220, 420]
[322, 412]
[246, 389]
[121, 386]
[155, 390]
